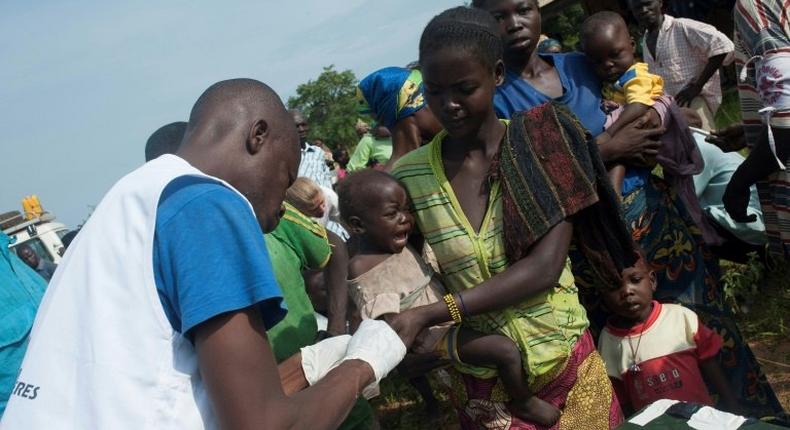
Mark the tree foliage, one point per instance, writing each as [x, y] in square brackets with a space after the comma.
[565, 26]
[330, 106]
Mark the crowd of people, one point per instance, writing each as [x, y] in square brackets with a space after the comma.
[501, 222]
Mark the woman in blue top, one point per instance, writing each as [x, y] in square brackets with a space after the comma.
[687, 272]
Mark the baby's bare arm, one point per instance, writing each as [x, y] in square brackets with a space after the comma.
[631, 112]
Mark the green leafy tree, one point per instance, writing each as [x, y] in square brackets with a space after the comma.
[330, 107]
[565, 26]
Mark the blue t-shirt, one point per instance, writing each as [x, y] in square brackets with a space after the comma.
[581, 94]
[210, 256]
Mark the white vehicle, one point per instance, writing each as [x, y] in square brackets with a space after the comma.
[42, 233]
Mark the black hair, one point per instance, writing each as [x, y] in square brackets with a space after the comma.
[598, 22]
[481, 3]
[165, 140]
[470, 29]
[355, 191]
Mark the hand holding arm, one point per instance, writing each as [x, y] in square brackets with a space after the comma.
[241, 377]
[533, 274]
[636, 143]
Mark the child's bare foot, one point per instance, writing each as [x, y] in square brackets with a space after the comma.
[536, 410]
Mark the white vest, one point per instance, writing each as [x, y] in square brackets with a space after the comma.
[102, 353]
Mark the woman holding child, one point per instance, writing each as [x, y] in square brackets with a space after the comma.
[466, 195]
[686, 271]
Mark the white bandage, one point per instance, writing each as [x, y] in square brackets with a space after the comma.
[378, 345]
[319, 359]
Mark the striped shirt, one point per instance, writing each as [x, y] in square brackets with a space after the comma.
[545, 326]
[683, 49]
[762, 27]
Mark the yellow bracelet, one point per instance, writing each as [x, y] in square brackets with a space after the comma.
[452, 307]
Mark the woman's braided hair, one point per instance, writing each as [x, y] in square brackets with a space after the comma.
[470, 29]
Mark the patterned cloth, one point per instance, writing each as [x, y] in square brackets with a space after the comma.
[763, 29]
[682, 51]
[391, 94]
[582, 391]
[551, 171]
[545, 326]
[636, 85]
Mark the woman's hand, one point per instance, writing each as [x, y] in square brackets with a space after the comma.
[408, 324]
[637, 143]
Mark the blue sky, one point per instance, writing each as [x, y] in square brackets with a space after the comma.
[84, 83]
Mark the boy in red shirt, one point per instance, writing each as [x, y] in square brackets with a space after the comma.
[658, 351]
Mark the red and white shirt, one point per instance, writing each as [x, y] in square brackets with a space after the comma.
[667, 349]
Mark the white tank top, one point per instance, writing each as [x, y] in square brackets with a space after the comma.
[102, 354]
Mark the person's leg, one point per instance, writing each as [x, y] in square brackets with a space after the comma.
[486, 350]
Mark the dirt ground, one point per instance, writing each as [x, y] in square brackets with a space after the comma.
[774, 357]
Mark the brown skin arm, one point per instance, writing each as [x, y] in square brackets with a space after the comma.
[635, 144]
[711, 371]
[631, 113]
[292, 375]
[759, 164]
[533, 274]
[241, 377]
[616, 176]
[693, 88]
[335, 276]
[405, 138]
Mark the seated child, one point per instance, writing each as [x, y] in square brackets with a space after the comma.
[388, 276]
[606, 42]
[658, 351]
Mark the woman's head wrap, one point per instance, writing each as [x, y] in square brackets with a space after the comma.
[391, 94]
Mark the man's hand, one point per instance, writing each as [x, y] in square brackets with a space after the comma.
[688, 93]
[728, 139]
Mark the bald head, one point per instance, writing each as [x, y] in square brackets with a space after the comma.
[239, 131]
[165, 140]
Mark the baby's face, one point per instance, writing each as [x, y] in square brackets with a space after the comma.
[611, 51]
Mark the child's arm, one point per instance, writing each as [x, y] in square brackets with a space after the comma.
[336, 277]
[631, 112]
[616, 176]
[711, 371]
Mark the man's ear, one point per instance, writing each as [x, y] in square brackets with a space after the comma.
[258, 134]
[499, 72]
[355, 225]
